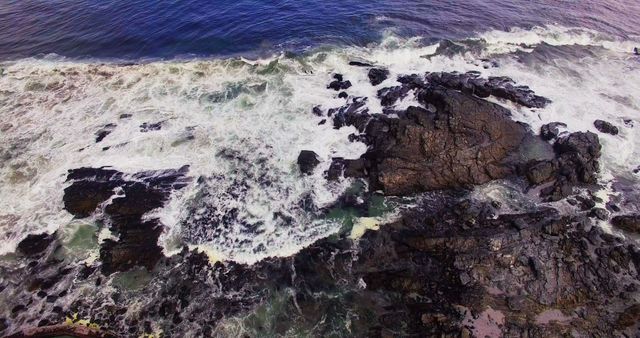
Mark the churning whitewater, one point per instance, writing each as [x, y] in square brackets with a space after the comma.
[240, 124]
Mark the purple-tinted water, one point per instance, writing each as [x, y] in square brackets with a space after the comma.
[137, 29]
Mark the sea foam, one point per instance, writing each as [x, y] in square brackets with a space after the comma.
[238, 121]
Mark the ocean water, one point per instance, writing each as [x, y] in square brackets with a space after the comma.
[141, 29]
[233, 83]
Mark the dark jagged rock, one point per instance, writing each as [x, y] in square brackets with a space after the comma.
[541, 171]
[104, 131]
[307, 161]
[605, 127]
[343, 95]
[455, 139]
[354, 113]
[90, 188]
[35, 244]
[389, 96]
[585, 203]
[412, 81]
[377, 75]
[630, 223]
[550, 131]
[317, 111]
[577, 157]
[501, 87]
[575, 163]
[338, 84]
[142, 192]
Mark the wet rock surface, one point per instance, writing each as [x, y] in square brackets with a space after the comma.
[130, 198]
[35, 244]
[377, 76]
[606, 127]
[339, 83]
[453, 140]
[307, 161]
[575, 164]
[550, 131]
[500, 87]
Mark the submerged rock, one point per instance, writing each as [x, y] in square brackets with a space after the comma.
[104, 132]
[147, 126]
[606, 127]
[307, 161]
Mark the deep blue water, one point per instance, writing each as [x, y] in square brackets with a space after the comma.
[138, 29]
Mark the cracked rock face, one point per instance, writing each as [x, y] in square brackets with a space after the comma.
[454, 140]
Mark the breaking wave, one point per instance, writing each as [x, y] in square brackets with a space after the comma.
[240, 124]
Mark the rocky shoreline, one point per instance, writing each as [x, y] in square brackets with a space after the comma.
[453, 265]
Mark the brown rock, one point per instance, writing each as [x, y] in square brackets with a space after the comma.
[466, 141]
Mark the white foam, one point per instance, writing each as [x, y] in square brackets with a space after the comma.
[52, 109]
[523, 39]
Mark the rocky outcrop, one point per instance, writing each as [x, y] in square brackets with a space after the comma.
[130, 198]
[307, 161]
[445, 271]
[463, 140]
[454, 139]
[389, 96]
[606, 127]
[500, 87]
[453, 264]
